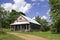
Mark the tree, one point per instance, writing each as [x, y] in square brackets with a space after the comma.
[55, 15]
[6, 17]
[43, 22]
[11, 17]
[2, 16]
[14, 15]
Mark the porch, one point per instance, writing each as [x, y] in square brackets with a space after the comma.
[21, 27]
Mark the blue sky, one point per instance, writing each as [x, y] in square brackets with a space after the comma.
[31, 8]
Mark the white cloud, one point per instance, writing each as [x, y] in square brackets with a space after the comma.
[19, 5]
[7, 6]
[43, 17]
[25, 8]
[42, 0]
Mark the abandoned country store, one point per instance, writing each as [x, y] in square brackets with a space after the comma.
[24, 23]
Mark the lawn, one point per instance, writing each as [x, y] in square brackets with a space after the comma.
[5, 36]
[47, 35]
[9, 37]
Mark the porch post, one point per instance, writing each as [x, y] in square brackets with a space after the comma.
[26, 27]
[29, 27]
[14, 28]
[20, 27]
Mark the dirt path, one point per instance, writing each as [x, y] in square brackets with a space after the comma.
[28, 37]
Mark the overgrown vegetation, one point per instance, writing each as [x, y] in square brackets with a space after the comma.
[47, 35]
[9, 37]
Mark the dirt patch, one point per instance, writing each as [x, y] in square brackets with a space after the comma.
[28, 37]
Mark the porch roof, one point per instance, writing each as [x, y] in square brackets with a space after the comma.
[17, 23]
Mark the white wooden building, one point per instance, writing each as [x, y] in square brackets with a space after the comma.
[24, 23]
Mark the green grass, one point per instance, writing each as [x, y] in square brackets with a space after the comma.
[5, 36]
[5, 29]
[9, 37]
[47, 35]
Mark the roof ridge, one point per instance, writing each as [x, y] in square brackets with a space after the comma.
[31, 20]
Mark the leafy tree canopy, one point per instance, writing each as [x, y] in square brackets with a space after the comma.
[6, 17]
[55, 15]
[43, 22]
